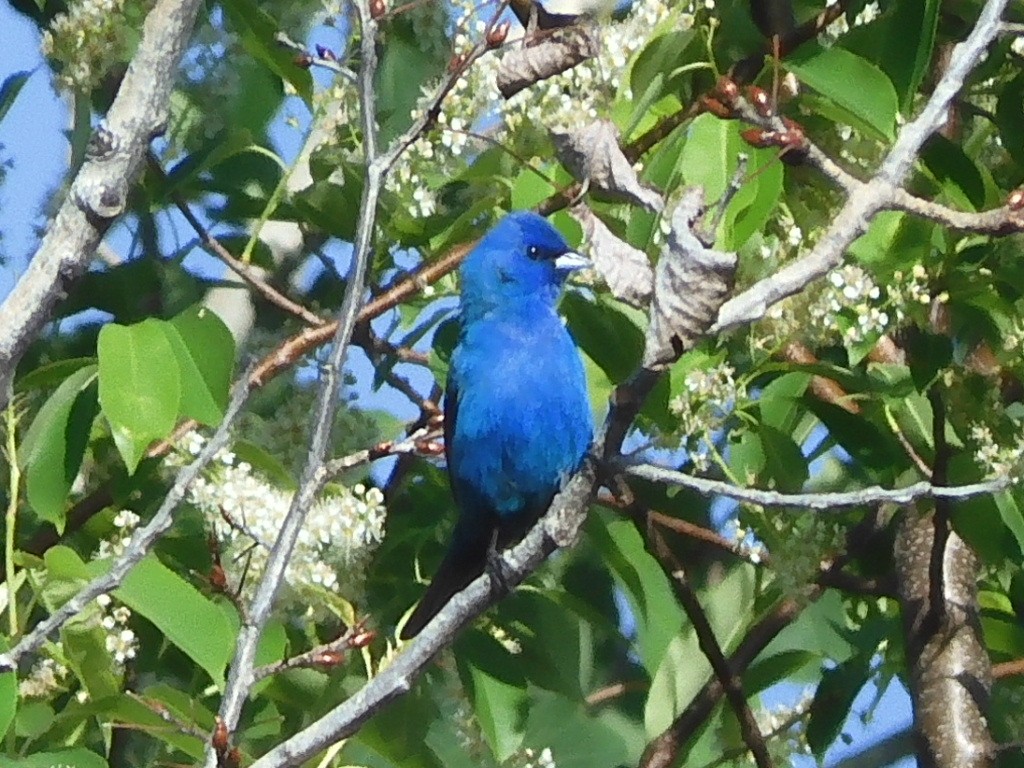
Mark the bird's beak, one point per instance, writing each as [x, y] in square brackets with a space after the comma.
[570, 261]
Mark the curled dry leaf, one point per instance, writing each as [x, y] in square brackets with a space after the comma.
[625, 269]
[691, 282]
[593, 156]
[557, 52]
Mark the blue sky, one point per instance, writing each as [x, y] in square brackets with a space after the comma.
[32, 136]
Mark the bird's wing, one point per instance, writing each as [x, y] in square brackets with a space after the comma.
[451, 414]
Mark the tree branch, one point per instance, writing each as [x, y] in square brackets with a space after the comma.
[872, 196]
[99, 192]
[241, 677]
[819, 501]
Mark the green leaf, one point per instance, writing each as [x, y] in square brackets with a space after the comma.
[784, 461]
[85, 647]
[34, 719]
[257, 31]
[187, 618]
[55, 444]
[779, 401]
[396, 736]
[833, 699]
[576, 736]
[607, 331]
[1010, 118]
[10, 89]
[955, 173]
[140, 385]
[496, 686]
[766, 672]
[652, 603]
[660, 56]
[853, 84]
[1011, 514]
[529, 190]
[226, 144]
[133, 713]
[51, 375]
[205, 350]
[709, 159]
[907, 52]
[8, 693]
[684, 668]
[68, 758]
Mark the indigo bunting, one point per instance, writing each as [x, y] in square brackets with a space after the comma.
[517, 416]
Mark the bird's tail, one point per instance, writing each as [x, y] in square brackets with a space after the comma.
[465, 559]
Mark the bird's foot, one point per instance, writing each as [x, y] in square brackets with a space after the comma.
[494, 567]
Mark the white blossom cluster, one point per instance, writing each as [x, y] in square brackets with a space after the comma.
[841, 26]
[86, 41]
[849, 306]
[340, 534]
[788, 721]
[746, 543]
[998, 460]
[708, 397]
[532, 758]
[1013, 340]
[46, 678]
[125, 523]
[909, 290]
[569, 100]
[121, 641]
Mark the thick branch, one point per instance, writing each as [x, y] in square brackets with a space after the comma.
[99, 193]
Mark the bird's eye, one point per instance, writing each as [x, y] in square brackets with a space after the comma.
[533, 252]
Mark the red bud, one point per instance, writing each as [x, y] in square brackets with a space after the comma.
[715, 107]
[219, 740]
[727, 90]
[759, 137]
[329, 658]
[362, 637]
[496, 35]
[429, 447]
[761, 100]
[456, 62]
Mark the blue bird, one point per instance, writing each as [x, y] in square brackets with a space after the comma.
[517, 416]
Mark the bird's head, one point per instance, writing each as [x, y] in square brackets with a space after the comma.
[523, 256]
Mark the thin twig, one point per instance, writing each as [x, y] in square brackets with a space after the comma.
[821, 501]
[249, 274]
[240, 678]
[730, 681]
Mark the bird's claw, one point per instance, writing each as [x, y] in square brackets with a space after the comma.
[495, 569]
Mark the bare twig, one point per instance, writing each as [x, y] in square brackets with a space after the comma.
[663, 751]
[731, 683]
[250, 275]
[820, 501]
[240, 678]
[99, 192]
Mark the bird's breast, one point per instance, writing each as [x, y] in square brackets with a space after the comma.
[523, 415]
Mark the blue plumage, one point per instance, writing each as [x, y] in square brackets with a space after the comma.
[517, 416]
